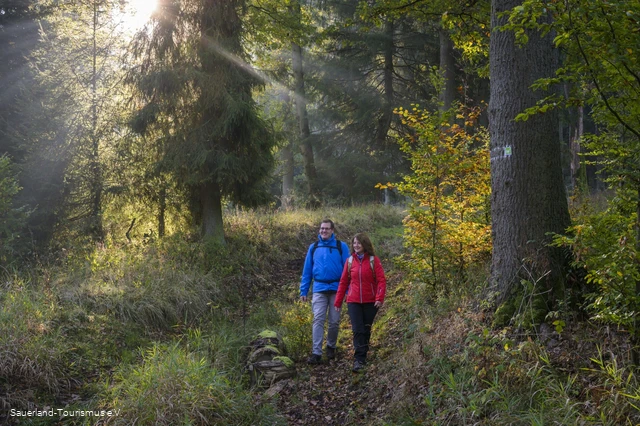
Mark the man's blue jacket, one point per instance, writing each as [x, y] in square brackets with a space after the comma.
[323, 266]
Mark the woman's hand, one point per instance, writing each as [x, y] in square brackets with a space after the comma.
[378, 304]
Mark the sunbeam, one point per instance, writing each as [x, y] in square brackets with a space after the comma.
[136, 14]
[242, 64]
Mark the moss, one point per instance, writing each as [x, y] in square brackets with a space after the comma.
[272, 348]
[525, 313]
[504, 313]
[285, 360]
[539, 310]
[268, 334]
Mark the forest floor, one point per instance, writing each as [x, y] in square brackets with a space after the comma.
[330, 394]
[396, 382]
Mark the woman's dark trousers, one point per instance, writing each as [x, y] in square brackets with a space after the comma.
[362, 315]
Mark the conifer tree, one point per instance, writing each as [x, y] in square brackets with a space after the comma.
[194, 83]
[77, 79]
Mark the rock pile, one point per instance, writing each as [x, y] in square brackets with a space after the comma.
[267, 362]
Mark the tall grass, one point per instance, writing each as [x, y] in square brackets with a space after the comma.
[174, 386]
[32, 348]
[118, 324]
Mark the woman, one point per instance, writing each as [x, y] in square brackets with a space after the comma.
[364, 279]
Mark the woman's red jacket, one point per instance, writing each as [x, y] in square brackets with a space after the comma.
[360, 282]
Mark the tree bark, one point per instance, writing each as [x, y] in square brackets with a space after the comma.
[528, 195]
[211, 211]
[635, 338]
[162, 209]
[287, 158]
[576, 179]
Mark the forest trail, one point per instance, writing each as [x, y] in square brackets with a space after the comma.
[330, 394]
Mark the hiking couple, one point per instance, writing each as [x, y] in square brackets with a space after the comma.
[336, 273]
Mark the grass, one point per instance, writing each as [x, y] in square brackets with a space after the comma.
[32, 348]
[175, 385]
[455, 369]
[159, 330]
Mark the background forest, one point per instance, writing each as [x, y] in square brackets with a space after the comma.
[164, 165]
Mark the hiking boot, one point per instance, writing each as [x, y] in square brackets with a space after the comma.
[331, 353]
[314, 359]
[357, 367]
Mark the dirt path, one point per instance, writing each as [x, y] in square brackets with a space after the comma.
[330, 394]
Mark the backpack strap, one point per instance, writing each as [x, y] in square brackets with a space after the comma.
[373, 270]
[338, 246]
[371, 262]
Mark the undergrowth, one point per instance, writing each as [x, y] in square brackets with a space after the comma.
[457, 369]
[157, 329]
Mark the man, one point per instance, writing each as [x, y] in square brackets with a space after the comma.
[323, 265]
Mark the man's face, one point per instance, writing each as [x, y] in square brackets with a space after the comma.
[326, 231]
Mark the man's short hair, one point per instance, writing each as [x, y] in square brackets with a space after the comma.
[329, 221]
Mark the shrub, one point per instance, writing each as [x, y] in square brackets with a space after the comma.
[447, 229]
[603, 244]
[296, 325]
[174, 386]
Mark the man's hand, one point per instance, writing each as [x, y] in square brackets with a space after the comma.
[303, 298]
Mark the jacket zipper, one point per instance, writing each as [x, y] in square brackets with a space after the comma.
[360, 277]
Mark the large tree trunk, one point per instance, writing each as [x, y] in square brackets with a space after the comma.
[303, 123]
[288, 163]
[211, 211]
[635, 337]
[528, 194]
[384, 123]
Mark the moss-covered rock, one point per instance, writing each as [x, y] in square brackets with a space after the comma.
[266, 361]
[285, 360]
[265, 353]
[268, 334]
[268, 338]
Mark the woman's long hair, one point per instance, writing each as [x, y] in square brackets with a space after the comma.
[367, 246]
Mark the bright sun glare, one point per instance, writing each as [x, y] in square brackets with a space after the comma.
[138, 13]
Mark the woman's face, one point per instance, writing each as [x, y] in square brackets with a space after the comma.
[357, 247]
